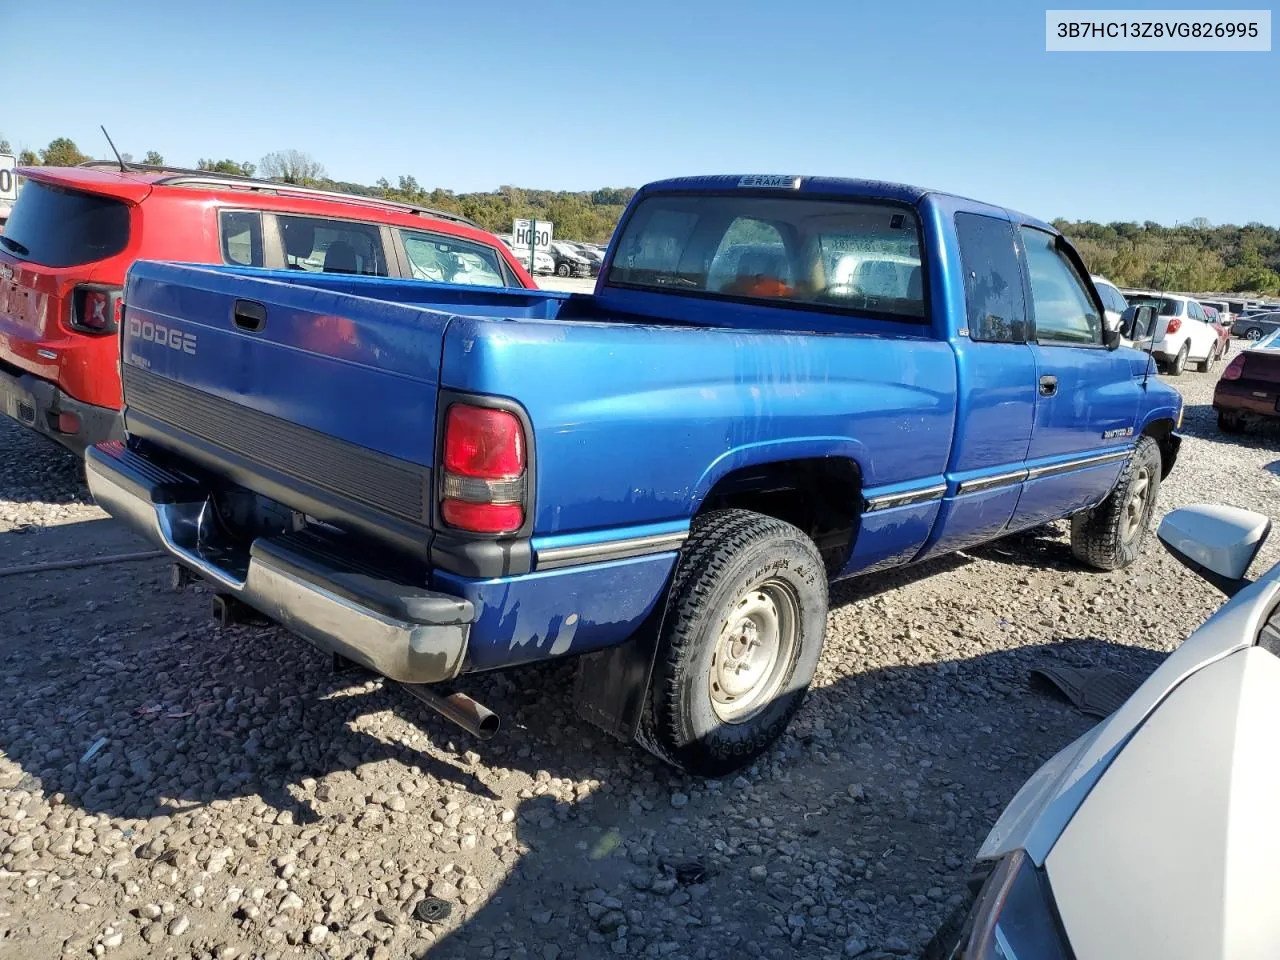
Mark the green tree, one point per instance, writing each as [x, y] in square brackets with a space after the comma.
[28, 158]
[231, 167]
[153, 159]
[4, 146]
[62, 152]
[292, 166]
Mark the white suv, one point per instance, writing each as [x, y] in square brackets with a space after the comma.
[1183, 333]
[1113, 301]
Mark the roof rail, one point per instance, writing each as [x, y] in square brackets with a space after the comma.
[208, 179]
[183, 177]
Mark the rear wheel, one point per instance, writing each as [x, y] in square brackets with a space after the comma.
[1180, 361]
[743, 632]
[1230, 422]
[1110, 535]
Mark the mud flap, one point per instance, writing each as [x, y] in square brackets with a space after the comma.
[612, 685]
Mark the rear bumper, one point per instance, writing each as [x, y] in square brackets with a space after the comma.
[1247, 397]
[39, 404]
[402, 631]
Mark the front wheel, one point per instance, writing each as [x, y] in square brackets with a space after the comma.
[1110, 535]
[562, 269]
[744, 628]
[1253, 333]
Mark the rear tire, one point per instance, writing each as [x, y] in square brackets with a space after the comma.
[1110, 536]
[744, 628]
[1179, 362]
[1230, 422]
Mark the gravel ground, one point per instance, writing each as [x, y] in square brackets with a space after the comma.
[171, 789]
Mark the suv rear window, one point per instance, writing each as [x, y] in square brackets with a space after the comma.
[1166, 307]
[847, 255]
[57, 227]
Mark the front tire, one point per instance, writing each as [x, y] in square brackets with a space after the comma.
[741, 640]
[562, 270]
[1180, 361]
[1110, 535]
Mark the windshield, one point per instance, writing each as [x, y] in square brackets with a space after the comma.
[850, 255]
[56, 227]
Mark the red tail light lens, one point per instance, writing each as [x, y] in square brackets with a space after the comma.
[1175, 324]
[96, 309]
[483, 488]
[1235, 369]
[479, 442]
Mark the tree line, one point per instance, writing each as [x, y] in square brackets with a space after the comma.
[1196, 256]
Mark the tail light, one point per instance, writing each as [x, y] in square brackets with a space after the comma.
[1234, 369]
[484, 486]
[1175, 324]
[96, 309]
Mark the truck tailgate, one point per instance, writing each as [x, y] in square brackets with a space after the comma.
[317, 398]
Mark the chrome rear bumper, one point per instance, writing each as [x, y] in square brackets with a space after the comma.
[402, 631]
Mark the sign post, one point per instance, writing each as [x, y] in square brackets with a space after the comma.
[533, 234]
[8, 178]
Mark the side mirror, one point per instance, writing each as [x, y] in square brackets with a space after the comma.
[1110, 338]
[1216, 542]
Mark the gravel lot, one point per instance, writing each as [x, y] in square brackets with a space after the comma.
[171, 789]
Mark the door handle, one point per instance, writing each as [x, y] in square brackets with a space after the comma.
[1048, 385]
[249, 315]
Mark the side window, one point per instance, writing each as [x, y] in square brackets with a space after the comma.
[450, 260]
[320, 245]
[997, 311]
[1197, 312]
[1112, 299]
[241, 232]
[1064, 312]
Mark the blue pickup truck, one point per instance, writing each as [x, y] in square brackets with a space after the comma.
[778, 381]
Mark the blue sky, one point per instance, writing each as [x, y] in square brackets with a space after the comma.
[957, 96]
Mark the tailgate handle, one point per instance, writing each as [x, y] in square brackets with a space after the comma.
[249, 315]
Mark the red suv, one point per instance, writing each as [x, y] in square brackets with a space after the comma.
[75, 231]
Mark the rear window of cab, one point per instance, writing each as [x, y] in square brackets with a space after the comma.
[852, 255]
[57, 227]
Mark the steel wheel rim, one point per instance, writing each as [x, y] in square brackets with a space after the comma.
[754, 651]
[1135, 508]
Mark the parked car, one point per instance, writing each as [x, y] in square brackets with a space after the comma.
[1255, 326]
[516, 480]
[594, 256]
[1249, 388]
[1154, 834]
[1183, 334]
[1113, 301]
[569, 261]
[1221, 308]
[75, 231]
[1224, 334]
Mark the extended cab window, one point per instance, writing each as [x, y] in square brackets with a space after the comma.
[1064, 311]
[241, 237]
[449, 260]
[57, 227]
[992, 279]
[332, 246]
[849, 255]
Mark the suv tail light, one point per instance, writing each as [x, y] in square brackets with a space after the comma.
[484, 485]
[1235, 369]
[1175, 324]
[96, 308]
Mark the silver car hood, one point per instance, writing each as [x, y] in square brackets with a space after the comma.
[1174, 852]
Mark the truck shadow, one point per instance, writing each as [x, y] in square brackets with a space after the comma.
[119, 697]
[58, 473]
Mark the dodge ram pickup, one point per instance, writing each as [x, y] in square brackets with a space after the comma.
[778, 381]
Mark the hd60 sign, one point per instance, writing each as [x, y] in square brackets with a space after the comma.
[8, 179]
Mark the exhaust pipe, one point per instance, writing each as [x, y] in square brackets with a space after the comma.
[475, 718]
